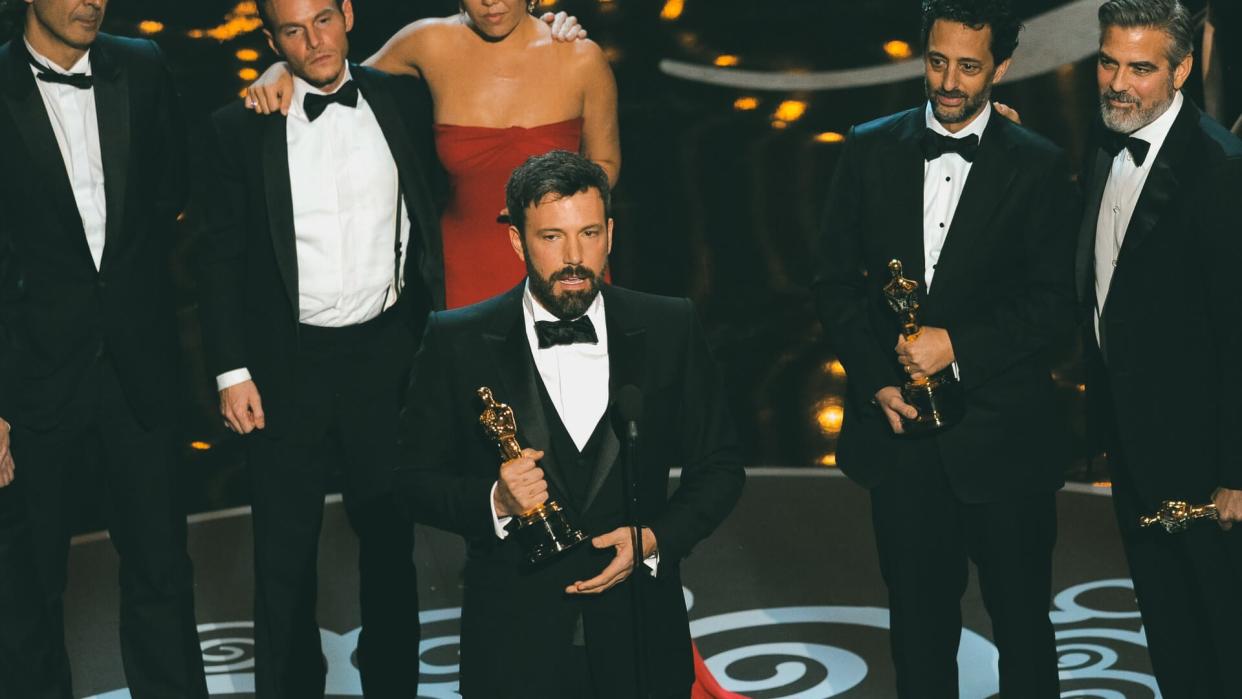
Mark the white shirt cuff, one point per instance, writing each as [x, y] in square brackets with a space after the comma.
[653, 562]
[498, 523]
[956, 373]
[232, 378]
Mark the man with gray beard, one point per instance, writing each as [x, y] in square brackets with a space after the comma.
[1155, 267]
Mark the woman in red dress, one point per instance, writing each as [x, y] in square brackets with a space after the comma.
[504, 89]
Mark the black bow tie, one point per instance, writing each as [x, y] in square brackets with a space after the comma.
[82, 81]
[314, 104]
[935, 145]
[565, 332]
[1138, 148]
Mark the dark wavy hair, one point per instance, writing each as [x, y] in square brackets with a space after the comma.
[977, 14]
[559, 173]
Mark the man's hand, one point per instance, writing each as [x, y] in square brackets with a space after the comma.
[565, 26]
[272, 91]
[1228, 506]
[1008, 112]
[242, 409]
[622, 563]
[7, 468]
[930, 352]
[521, 487]
[894, 408]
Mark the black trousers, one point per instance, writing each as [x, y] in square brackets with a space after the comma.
[926, 538]
[159, 640]
[30, 667]
[349, 383]
[1189, 589]
[569, 677]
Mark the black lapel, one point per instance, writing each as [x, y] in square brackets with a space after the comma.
[1163, 181]
[34, 127]
[280, 205]
[1084, 257]
[506, 338]
[627, 349]
[112, 109]
[393, 124]
[905, 173]
[991, 174]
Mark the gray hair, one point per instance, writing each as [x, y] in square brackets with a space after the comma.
[1169, 16]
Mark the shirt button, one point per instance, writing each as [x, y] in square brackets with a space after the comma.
[948, 179]
[942, 225]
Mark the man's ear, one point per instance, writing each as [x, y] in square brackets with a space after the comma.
[1001, 70]
[610, 224]
[1182, 71]
[271, 42]
[515, 240]
[347, 9]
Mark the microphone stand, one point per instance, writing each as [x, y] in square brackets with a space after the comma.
[630, 475]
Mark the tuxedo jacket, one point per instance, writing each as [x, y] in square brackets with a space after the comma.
[1003, 289]
[515, 617]
[1164, 391]
[58, 314]
[248, 265]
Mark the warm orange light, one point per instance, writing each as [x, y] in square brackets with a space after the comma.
[1103, 484]
[829, 460]
[1082, 388]
[778, 124]
[248, 74]
[613, 53]
[243, 19]
[200, 446]
[672, 9]
[897, 49]
[547, 3]
[726, 60]
[829, 137]
[834, 368]
[829, 417]
[150, 26]
[247, 55]
[745, 104]
[790, 110]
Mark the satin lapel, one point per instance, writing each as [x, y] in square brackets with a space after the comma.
[1163, 181]
[1084, 257]
[280, 205]
[511, 354]
[627, 350]
[906, 173]
[34, 127]
[990, 176]
[112, 110]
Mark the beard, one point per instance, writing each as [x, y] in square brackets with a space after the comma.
[1128, 121]
[569, 304]
[971, 105]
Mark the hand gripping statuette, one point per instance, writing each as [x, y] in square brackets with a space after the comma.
[1177, 516]
[938, 398]
[544, 531]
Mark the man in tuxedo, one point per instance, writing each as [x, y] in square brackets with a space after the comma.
[980, 212]
[1156, 252]
[321, 259]
[92, 183]
[557, 349]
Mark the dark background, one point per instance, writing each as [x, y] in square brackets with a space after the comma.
[714, 203]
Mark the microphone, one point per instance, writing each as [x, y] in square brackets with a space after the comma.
[627, 411]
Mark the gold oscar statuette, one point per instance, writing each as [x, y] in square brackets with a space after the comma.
[543, 531]
[1177, 516]
[938, 398]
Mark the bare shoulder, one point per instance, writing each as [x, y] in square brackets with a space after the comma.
[584, 57]
[429, 32]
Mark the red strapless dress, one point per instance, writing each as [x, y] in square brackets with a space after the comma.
[478, 262]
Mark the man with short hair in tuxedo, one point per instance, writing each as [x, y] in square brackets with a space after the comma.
[1156, 269]
[92, 184]
[981, 213]
[320, 260]
[558, 349]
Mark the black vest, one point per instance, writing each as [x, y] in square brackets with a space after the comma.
[578, 466]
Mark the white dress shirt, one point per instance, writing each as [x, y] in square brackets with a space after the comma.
[343, 182]
[576, 378]
[72, 113]
[943, 181]
[1126, 179]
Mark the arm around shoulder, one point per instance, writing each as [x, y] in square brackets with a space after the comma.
[601, 134]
